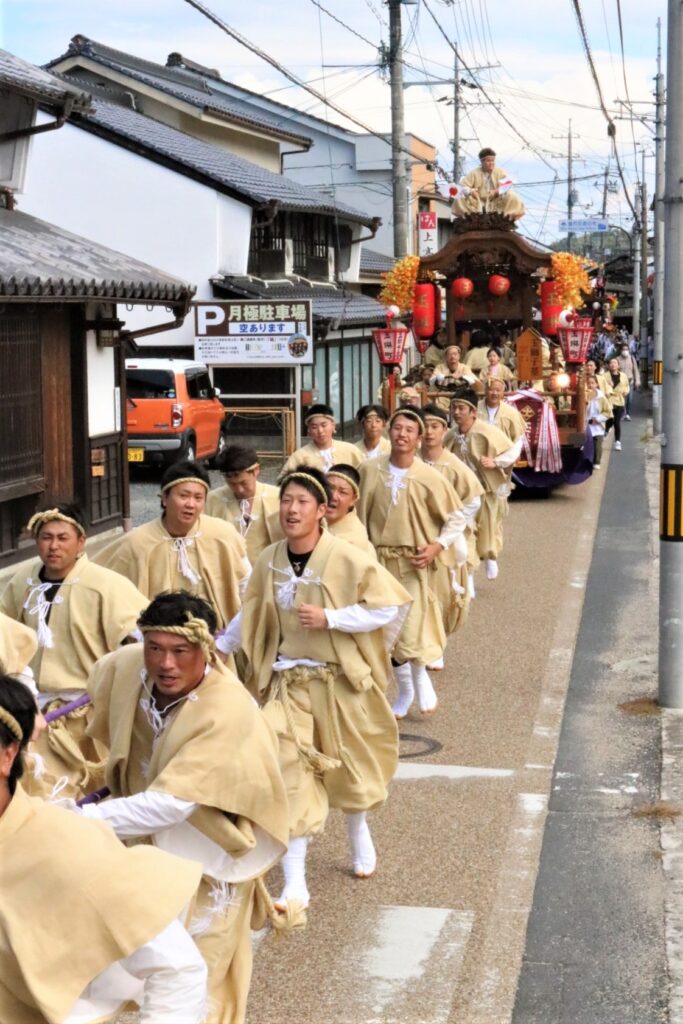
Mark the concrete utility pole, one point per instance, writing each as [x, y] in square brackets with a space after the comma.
[456, 115]
[398, 156]
[642, 327]
[658, 292]
[637, 237]
[571, 192]
[671, 478]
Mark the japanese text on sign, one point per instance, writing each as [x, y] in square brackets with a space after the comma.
[272, 333]
[427, 240]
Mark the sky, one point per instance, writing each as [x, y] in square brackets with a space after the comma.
[527, 60]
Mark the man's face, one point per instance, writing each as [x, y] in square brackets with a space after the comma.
[243, 484]
[321, 431]
[494, 393]
[183, 504]
[174, 665]
[624, 350]
[464, 416]
[300, 513]
[59, 545]
[452, 357]
[404, 434]
[488, 163]
[373, 427]
[342, 498]
[435, 428]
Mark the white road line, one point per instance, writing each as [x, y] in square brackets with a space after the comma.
[449, 771]
[409, 968]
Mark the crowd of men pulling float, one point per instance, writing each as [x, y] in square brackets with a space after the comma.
[215, 681]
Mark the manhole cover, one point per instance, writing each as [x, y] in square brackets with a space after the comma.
[417, 746]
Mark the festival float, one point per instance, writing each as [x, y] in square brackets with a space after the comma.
[492, 279]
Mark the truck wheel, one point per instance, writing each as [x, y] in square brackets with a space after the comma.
[222, 445]
[189, 449]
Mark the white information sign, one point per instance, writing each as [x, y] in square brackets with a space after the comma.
[427, 231]
[241, 333]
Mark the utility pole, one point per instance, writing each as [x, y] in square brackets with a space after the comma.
[658, 291]
[398, 161]
[643, 279]
[671, 474]
[637, 237]
[456, 114]
[571, 192]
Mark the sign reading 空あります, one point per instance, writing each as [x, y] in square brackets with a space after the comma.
[241, 333]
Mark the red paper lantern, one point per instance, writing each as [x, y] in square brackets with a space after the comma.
[499, 285]
[390, 343]
[575, 339]
[462, 288]
[551, 307]
[424, 310]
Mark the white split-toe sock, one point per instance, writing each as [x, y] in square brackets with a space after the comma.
[406, 691]
[426, 694]
[362, 847]
[294, 868]
[491, 569]
[470, 586]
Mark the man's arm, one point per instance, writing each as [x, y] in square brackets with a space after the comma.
[142, 814]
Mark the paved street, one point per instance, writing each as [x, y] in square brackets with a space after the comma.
[438, 936]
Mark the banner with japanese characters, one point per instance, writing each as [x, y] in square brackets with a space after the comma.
[427, 233]
[241, 333]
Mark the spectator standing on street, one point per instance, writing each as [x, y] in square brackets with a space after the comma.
[597, 414]
[616, 394]
[628, 365]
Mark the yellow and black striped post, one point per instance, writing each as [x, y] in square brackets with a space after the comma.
[658, 372]
[671, 502]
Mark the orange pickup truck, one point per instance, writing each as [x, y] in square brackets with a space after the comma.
[174, 412]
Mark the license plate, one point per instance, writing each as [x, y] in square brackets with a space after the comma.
[136, 454]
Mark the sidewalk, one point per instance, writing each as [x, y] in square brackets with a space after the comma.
[595, 947]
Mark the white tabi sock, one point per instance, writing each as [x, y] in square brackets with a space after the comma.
[406, 690]
[491, 569]
[470, 586]
[426, 695]
[294, 868]
[362, 847]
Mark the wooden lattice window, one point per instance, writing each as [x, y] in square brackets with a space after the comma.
[21, 423]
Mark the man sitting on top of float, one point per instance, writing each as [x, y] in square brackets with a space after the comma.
[487, 190]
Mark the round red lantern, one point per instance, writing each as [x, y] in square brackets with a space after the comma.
[551, 307]
[424, 310]
[462, 288]
[499, 285]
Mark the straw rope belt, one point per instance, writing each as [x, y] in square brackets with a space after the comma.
[314, 760]
[387, 552]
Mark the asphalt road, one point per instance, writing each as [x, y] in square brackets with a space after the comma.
[437, 935]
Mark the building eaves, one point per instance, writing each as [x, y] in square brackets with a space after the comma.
[176, 82]
[206, 162]
[330, 303]
[41, 86]
[42, 262]
[373, 262]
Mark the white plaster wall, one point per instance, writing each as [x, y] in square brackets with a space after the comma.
[99, 190]
[101, 383]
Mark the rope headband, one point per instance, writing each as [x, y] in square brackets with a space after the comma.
[50, 515]
[347, 479]
[195, 630]
[10, 721]
[184, 480]
[322, 415]
[311, 480]
[435, 416]
[247, 469]
[464, 401]
[411, 415]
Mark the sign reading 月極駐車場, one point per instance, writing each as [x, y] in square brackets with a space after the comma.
[272, 332]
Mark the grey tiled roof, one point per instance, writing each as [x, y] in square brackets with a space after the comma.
[373, 262]
[231, 173]
[183, 85]
[40, 260]
[329, 302]
[20, 76]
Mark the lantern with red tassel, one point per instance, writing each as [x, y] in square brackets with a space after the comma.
[462, 288]
[551, 307]
[499, 285]
[424, 310]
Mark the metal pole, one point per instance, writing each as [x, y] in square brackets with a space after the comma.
[637, 239]
[398, 163]
[671, 479]
[456, 114]
[644, 310]
[658, 292]
[570, 185]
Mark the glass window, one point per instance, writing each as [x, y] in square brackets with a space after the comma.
[364, 380]
[357, 401]
[347, 393]
[334, 380]
[204, 385]
[321, 372]
[192, 384]
[150, 383]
